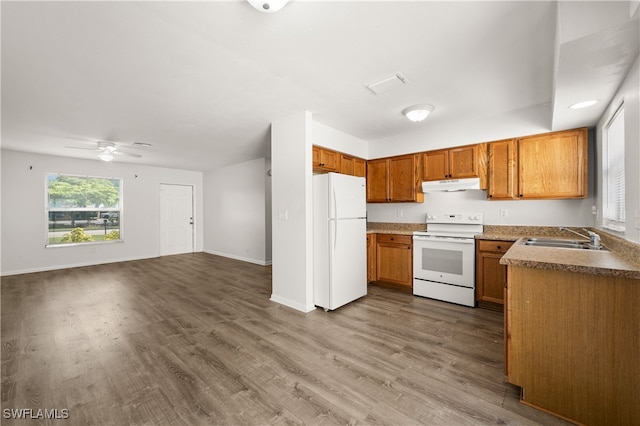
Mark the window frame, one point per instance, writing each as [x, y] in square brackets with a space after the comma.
[615, 225]
[48, 210]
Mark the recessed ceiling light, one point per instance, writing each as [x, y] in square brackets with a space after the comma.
[417, 113]
[584, 104]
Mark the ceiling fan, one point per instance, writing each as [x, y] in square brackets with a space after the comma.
[107, 150]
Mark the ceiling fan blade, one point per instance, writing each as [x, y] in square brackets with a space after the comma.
[128, 154]
[84, 148]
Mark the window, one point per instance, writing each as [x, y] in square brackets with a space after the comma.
[83, 209]
[613, 196]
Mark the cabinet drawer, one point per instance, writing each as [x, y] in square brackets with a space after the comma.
[494, 246]
[393, 238]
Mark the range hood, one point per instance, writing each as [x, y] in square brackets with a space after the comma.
[451, 185]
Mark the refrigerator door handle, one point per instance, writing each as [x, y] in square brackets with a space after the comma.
[334, 204]
[335, 235]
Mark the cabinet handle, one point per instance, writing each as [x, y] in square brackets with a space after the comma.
[391, 238]
[409, 248]
[499, 247]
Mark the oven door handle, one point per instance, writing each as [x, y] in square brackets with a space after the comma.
[446, 240]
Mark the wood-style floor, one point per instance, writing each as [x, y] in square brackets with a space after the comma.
[193, 339]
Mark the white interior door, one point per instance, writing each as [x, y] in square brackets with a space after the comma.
[176, 219]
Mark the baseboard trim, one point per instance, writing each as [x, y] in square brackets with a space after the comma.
[291, 304]
[244, 259]
[72, 265]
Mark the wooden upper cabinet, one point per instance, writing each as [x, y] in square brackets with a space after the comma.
[377, 181]
[394, 179]
[404, 178]
[502, 171]
[359, 167]
[325, 160]
[435, 165]
[553, 165]
[454, 163]
[463, 162]
[352, 166]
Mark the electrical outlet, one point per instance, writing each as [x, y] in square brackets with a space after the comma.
[400, 213]
[283, 214]
[504, 213]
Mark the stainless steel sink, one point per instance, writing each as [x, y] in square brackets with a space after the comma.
[560, 243]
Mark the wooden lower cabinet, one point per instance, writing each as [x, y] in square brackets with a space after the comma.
[394, 259]
[371, 257]
[491, 276]
[572, 342]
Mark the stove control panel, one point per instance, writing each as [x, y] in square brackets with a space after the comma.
[461, 218]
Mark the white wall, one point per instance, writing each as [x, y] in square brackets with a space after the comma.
[24, 224]
[336, 140]
[292, 283]
[292, 202]
[235, 204]
[519, 212]
[629, 93]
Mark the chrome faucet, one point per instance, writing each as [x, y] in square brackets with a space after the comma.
[594, 239]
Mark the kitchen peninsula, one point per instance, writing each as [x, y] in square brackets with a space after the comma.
[573, 330]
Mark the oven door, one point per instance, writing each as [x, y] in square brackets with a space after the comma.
[448, 260]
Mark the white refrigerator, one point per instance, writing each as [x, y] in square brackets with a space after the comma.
[339, 239]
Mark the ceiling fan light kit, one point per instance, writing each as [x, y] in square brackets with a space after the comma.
[268, 6]
[417, 113]
[105, 156]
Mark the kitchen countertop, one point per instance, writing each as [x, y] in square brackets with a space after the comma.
[621, 260]
[596, 262]
[394, 228]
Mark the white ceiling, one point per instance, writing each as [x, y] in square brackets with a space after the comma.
[201, 81]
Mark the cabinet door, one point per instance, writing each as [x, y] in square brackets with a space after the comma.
[463, 162]
[435, 165]
[330, 160]
[491, 278]
[316, 156]
[377, 177]
[371, 257]
[553, 165]
[394, 261]
[490, 274]
[325, 160]
[359, 167]
[403, 179]
[502, 170]
[346, 165]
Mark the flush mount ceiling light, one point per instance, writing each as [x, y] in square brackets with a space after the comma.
[584, 104]
[417, 113]
[268, 6]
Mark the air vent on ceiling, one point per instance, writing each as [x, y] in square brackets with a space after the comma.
[387, 83]
[141, 144]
